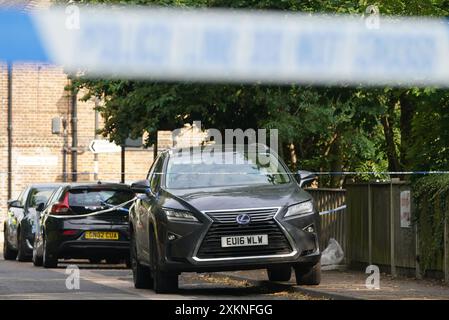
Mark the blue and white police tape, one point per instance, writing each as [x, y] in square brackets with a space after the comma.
[224, 45]
[407, 173]
[119, 207]
[341, 208]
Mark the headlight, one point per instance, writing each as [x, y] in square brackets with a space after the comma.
[299, 209]
[176, 215]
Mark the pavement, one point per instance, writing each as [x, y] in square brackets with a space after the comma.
[348, 284]
[24, 281]
[104, 282]
[21, 280]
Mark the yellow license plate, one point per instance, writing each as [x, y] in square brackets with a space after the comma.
[101, 235]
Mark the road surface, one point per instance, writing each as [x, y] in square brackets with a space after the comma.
[21, 280]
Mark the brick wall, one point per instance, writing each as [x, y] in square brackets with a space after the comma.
[3, 139]
[38, 96]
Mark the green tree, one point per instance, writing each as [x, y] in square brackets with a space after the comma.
[328, 129]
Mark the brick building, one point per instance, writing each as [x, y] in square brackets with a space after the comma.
[38, 96]
[37, 155]
[35, 95]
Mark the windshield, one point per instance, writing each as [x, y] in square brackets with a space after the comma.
[232, 169]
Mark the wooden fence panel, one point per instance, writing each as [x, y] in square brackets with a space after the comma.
[333, 224]
[359, 242]
[350, 227]
[380, 224]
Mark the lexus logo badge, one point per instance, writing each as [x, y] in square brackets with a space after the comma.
[243, 219]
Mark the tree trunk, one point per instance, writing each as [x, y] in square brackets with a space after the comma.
[293, 158]
[281, 149]
[336, 162]
[393, 161]
[407, 112]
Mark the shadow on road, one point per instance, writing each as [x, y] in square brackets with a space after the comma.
[192, 284]
[115, 281]
[219, 286]
[85, 264]
[221, 292]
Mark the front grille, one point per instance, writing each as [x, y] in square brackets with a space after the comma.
[262, 222]
[230, 216]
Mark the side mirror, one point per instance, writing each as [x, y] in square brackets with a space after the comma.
[142, 186]
[14, 204]
[40, 207]
[305, 177]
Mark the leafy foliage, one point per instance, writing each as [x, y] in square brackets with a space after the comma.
[431, 195]
[328, 129]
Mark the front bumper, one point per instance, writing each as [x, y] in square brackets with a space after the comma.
[248, 264]
[181, 254]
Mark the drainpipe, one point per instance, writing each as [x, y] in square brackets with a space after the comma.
[122, 174]
[9, 71]
[64, 149]
[155, 148]
[97, 103]
[74, 136]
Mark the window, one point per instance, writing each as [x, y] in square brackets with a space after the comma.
[88, 200]
[156, 175]
[150, 172]
[229, 169]
[39, 195]
[22, 197]
[54, 197]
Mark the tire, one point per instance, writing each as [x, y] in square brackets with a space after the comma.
[163, 282]
[141, 274]
[37, 261]
[47, 261]
[279, 273]
[308, 275]
[21, 244]
[8, 253]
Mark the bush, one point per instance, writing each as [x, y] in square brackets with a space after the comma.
[431, 196]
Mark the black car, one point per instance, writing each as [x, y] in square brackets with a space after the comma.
[194, 215]
[21, 221]
[84, 221]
